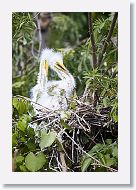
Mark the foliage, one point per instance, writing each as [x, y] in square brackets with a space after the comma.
[80, 58]
[61, 26]
[30, 157]
[46, 139]
[34, 163]
[106, 86]
[23, 25]
[24, 64]
[107, 153]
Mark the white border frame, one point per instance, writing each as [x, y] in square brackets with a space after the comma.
[123, 174]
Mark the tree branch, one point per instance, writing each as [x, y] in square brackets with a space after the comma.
[107, 39]
[63, 162]
[90, 24]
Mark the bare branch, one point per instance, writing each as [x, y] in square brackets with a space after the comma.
[63, 162]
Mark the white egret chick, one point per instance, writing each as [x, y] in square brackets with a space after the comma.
[55, 93]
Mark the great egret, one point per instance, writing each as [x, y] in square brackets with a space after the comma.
[53, 94]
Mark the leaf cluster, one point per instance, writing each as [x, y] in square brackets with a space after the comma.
[107, 153]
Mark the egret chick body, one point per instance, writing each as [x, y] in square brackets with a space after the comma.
[55, 93]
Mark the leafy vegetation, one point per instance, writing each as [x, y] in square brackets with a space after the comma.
[91, 143]
[107, 153]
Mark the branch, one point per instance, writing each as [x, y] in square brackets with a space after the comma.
[90, 24]
[14, 160]
[37, 30]
[107, 39]
[40, 36]
[63, 162]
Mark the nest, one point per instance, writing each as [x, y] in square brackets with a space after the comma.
[81, 115]
[78, 129]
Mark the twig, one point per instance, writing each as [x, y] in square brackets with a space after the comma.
[82, 119]
[51, 159]
[36, 15]
[73, 146]
[61, 131]
[58, 162]
[102, 138]
[42, 118]
[107, 39]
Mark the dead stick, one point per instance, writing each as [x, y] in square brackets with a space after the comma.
[63, 162]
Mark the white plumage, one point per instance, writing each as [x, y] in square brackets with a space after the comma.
[53, 94]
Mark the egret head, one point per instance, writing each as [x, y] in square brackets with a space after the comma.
[54, 60]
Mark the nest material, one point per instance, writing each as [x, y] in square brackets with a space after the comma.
[83, 117]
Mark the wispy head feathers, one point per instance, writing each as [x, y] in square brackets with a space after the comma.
[51, 56]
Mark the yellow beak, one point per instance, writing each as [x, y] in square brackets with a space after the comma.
[46, 67]
[61, 67]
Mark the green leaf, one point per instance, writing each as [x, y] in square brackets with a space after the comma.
[86, 164]
[30, 132]
[26, 117]
[14, 140]
[34, 163]
[109, 161]
[18, 84]
[19, 159]
[73, 105]
[96, 148]
[115, 117]
[46, 139]
[21, 108]
[101, 157]
[65, 125]
[105, 101]
[19, 105]
[100, 169]
[15, 103]
[23, 168]
[108, 141]
[21, 125]
[31, 146]
[115, 152]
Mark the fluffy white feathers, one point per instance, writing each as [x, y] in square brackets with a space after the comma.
[53, 94]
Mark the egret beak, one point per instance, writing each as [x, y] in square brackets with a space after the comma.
[61, 67]
[46, 67]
